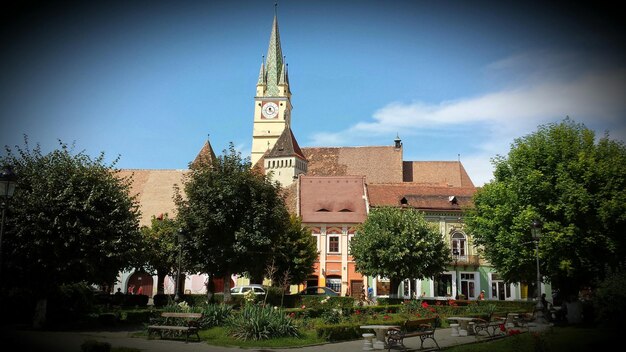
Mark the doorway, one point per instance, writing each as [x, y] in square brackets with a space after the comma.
[140, 283]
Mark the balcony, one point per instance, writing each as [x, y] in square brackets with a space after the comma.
[466, 260]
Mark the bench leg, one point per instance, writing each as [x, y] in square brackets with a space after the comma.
[423, 338]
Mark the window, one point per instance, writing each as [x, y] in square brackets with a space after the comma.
[499, 289]
[467, 285]
[383, 287]
[334, 283]
[443, 285]
[333, 244]
[317, 241]
[458, 244]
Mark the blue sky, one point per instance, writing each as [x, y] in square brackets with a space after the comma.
[149, 80]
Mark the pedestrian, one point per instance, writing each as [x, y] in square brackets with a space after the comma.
[481, 297]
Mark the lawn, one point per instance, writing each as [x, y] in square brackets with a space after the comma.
[217, 336]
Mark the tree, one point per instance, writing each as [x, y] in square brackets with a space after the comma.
[576, 186]
[233, 216]
[70, 220]
[295, 252]
[398, 243]
[161, 248]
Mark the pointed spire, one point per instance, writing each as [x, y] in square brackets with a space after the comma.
[283, 73]
[286, 146]
[274, 62]
[262, 72]
[206, 156]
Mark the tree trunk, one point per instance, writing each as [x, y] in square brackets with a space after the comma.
[210, 288]
[394, 284]
[227, 296]
[39, 319]
[161, 282]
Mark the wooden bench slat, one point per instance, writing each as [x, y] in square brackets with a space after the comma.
[426, 330]
[190, 328]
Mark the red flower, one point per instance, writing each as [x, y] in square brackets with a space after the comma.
[425, 304]
[502, 328]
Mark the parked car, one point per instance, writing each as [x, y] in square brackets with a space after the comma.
[319, 291]
[240, 290]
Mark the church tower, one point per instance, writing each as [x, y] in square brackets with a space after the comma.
[272, 103]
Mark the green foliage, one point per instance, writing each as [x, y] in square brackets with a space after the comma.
[215, 315]
[418, 308]
[397, 244]
[233, 216]
[576, 186]
[296, 253]
[256, 322]
[70, 302]
[160, 250]
[339, 332]
[609, 300]
[71, 219]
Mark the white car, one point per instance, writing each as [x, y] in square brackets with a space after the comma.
[240, 290]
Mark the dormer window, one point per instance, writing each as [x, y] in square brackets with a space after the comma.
[345, 211]
[323, 210]
[453, 200]
[404, 202]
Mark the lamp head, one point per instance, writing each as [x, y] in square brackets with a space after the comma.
[8, 182]
[181, 235]
[535, 229]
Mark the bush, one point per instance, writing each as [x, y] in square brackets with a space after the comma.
[162, 300]
[135, 301]
[107, 319]
[339, 332]
[70, 303]
[254, 322]
[95, 346]
[609, 301]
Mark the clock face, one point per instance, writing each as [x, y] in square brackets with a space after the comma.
[270, 110]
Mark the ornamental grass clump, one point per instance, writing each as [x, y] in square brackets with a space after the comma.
[215, 315]
[255, 322]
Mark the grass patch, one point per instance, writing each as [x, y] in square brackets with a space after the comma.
[217, 336]
[571, 339]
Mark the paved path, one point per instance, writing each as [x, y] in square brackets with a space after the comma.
[52, 341]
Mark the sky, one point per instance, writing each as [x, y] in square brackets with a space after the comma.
[150, 81]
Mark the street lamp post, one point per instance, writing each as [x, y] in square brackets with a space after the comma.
[181, 237]
[7, 187]
[455, 256]
[536, 233]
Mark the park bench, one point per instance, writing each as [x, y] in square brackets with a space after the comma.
[496, 324]
[181, 323]
[424, 328]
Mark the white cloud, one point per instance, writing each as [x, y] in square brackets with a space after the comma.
[595, 98]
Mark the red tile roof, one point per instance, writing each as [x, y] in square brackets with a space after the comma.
[381, 164]
[421, 196]
[436, 173]
[332, 199]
